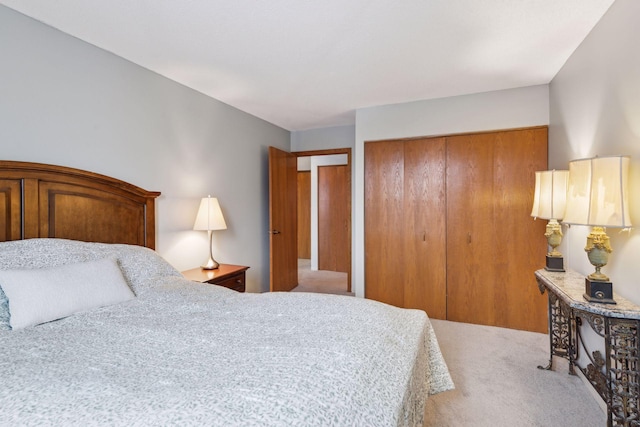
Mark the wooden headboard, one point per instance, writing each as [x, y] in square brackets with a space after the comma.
[39, 200]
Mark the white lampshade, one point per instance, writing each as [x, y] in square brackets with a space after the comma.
[209, 215]
[550, 196]
[597, 192]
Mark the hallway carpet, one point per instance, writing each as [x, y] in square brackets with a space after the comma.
[320, 281]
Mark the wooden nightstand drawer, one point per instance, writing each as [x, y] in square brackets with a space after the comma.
[236, 282]
[227, 275]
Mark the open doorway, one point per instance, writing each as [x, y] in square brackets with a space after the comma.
[324, 221]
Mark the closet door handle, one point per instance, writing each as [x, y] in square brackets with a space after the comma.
[469, 238]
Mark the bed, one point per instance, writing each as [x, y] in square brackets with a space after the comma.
[157, 349]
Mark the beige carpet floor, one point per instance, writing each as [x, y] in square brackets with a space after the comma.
[320, 281]
[498, 383]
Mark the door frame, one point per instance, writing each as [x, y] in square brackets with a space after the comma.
[346, 151]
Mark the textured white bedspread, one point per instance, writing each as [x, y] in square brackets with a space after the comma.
[183, 353]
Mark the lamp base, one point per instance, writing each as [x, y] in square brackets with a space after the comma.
[597, 291]
[555, 263]
[211, 264]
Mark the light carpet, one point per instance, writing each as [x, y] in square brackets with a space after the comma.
[498, 383]
[320, 281]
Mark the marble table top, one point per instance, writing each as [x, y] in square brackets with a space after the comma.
[569, 287]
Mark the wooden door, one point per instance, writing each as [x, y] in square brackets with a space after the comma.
[304, 214]
[470, 230]
[493, 245]
[425, 279]
[384, 221]
[517, 155]
[447, 226]
[334, 213]
[283, 220]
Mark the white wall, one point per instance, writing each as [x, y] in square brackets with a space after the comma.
[505, 109]
[65, 102]
[323, 138]
[595, 110]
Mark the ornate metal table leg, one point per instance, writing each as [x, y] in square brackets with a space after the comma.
[551, 327]
[572, 340]
[623, 348]
[560, 333]
[549, 366]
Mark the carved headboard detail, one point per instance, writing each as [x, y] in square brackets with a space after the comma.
[39, 200]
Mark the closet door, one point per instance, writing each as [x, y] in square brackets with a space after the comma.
[384, 221]
[493, 245]
[447, 226]
[517, 155]
[471, 290]
[425, 278]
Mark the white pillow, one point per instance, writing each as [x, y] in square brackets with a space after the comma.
[38, 296]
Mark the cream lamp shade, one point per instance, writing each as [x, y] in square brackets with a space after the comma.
[598, 196]
[209, 215]
[549, 202]
[210, 218]
[598, 192]
[550, 196]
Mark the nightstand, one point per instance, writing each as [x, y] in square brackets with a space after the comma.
[227, 275]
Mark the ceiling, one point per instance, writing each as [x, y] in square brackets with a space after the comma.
[309, 64]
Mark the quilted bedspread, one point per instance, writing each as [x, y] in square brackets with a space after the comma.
[183, 353]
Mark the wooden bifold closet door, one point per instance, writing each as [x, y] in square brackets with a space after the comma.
[447, 226]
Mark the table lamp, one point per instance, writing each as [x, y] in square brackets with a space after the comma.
[210, 218]
[597, 196]
[549, 203]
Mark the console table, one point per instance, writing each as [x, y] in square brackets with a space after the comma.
[614, 374]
